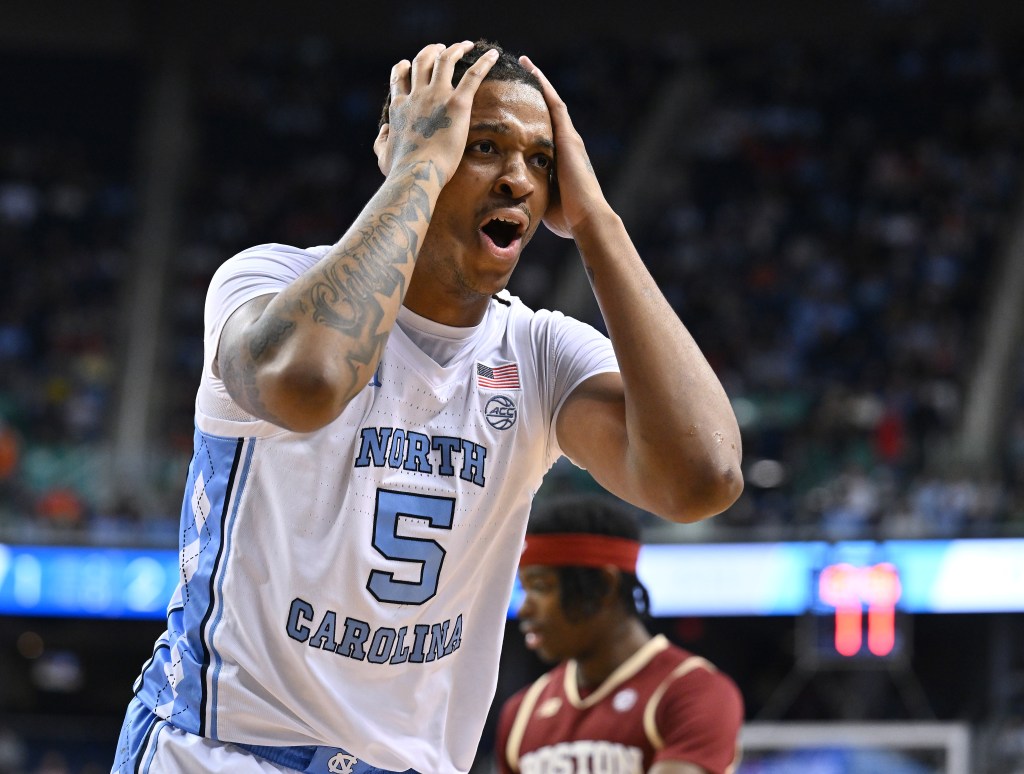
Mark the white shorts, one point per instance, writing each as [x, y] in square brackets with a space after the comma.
[149, 745]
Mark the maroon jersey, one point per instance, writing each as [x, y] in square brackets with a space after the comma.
[662, 704]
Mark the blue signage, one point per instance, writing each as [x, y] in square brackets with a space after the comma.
[710, 579]
[85, 582]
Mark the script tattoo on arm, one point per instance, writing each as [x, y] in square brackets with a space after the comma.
[368, 261]
[368, 265]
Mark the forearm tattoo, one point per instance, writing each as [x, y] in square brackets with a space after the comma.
[268, 338]
[367, 263]
[238, 373]
[365, 266]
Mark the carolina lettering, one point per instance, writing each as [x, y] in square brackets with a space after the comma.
[355, 639]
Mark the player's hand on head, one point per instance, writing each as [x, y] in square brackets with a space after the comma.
[576, 193]
[428, 118]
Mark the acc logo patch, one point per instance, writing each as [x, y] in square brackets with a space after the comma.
[501, 412]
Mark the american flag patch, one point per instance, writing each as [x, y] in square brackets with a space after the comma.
[504, 377]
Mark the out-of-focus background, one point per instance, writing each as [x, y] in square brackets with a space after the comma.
[828, 193]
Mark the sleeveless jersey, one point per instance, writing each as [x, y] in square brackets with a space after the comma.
[661, 704]
[348, 586]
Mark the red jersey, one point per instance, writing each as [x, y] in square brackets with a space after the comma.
[662, 704]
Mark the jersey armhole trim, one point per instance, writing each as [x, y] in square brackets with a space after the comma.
[518, 730]
[650, 710]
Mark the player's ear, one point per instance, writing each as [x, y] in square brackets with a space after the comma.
[380, 148]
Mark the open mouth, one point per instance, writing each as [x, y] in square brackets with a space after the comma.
[501, 232]
[531, 636]
[504, 230]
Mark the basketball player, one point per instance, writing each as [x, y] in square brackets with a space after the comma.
[621, 700]
[372, 422]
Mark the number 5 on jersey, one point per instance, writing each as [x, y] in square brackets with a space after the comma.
[438, 512]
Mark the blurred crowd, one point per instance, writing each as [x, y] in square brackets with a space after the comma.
[67, 204]
[830, 237]
[828, 231]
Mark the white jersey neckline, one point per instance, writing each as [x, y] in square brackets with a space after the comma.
[441, 342]
[408, 348]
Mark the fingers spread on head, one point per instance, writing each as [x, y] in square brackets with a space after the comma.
[423, 64]
[478, 71]
[429, 52]
[444, 63]
[400, 78]
[555, 102]
[531, 68]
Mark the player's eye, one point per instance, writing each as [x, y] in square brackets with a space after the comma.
[543, 161]
[538, 587]
[484, 146]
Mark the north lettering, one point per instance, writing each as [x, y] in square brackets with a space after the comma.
[419, 453]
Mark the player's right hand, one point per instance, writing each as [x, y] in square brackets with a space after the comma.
[428, 118]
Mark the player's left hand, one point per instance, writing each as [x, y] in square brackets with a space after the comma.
[576, 193]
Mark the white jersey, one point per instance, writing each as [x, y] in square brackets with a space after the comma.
[348, 586]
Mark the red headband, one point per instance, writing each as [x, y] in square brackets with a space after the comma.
[580, 550]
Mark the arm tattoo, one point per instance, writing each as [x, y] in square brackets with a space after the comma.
[237, 375]
[366, 266]
[269, 337]
[437, 120]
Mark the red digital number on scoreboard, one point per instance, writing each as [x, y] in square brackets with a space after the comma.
[849, 589]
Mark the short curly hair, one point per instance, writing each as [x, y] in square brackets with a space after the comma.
[506, 68]
[582, 587]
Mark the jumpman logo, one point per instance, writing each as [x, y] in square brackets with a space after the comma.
[375, 381]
